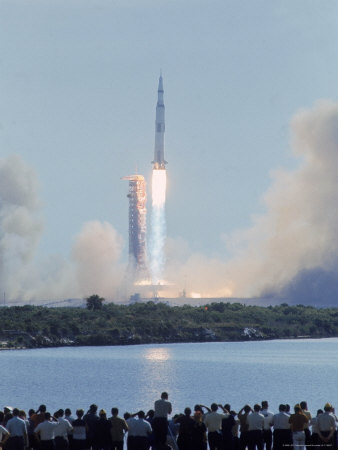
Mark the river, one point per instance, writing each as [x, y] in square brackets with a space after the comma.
[132, 377]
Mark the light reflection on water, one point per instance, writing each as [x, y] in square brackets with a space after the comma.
[132, 377]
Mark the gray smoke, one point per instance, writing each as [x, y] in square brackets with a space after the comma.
[292, 249]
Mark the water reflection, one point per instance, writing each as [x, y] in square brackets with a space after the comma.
[157, 354]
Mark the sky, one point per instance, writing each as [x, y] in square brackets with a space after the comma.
[78, 86]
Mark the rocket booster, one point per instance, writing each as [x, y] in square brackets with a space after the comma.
[159, 161]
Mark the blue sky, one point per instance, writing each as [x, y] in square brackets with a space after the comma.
[78, 83]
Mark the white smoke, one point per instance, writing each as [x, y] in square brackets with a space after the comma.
[298, 234]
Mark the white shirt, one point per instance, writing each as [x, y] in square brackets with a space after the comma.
[268, 418]
[131, 422]
[255, 421]
[63, 428]
[16, 427]
[213, 421]
[326, 422]
[46, 430]
[142, 428]
[280, 421]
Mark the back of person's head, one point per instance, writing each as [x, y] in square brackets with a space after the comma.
[114, 411]
[198, 408]
[60, 413]
[141, 414]
[102, 413]
[227, 407]
[257, 408]
[93, 408]
[22, 413]
[7, 410]
[214, 407]
[287, 407]
[328, 407]
[16, 412]
[247, 408]
[265, 404]
[79, 413]
[233, 413]
[47, 416]
[42, 408]
[319, 412]
[303, 405]
[151, 413]
[164, 395]
[282, 408]
[297, 408]
[198, 416]
[187, 412]
[68, 412]
[126, 415]
[31, 412]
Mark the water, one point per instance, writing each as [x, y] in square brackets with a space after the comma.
[132, 377]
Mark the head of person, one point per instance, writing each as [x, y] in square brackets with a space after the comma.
[164, 396]
[126, 415]
[328, 407]
[114, 412]
[79, 413]
[319, 412]
[265, 404]
[287, 408]
[227, 407]
[22, 414]
[42, 408]
[297, 408]
[151, 413]
[303, 405]
[282, 408]
[141, 414]
[198, 408]
[93, 408]
[187, 412]
[31, 412]
[233, 413]
[47, 416]
[16, 412]
[247, 409]
[7, 409]
[68, 412]
[60, 413]
[214, 407]
[257, 407]
[102, 414]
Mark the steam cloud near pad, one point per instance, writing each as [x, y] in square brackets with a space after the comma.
[290, 251]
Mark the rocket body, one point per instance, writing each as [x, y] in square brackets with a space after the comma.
[159, 161]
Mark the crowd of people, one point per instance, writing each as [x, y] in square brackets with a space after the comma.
[217, 428]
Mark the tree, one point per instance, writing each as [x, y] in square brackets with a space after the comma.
[94, 302]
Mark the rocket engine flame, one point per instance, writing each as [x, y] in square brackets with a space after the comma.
[159, 182]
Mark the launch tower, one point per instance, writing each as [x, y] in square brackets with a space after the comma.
[137, 225]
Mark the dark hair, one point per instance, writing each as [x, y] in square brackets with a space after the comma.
[141, 414]
[93, 408]
[257, 407]
[227, 407]
[164, 395]
[47, 416]
[247, 408]
[214, 407]
[68, 412]
[79, 413]
[187, 411]
[114, 411]
[282, 407]
[264, 404]
[60, 412]
[303, 405]
[31, 412]
[42, 408]
[126, 415]
[320, 411]
[16, 412]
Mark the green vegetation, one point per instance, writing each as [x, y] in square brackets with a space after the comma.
[111, 324]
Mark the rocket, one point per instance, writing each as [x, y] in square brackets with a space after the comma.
[159, 161]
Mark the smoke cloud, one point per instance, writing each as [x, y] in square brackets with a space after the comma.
[292, 250]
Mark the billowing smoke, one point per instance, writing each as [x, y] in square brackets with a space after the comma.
[291, 250]
[96, 255]
[20, 224]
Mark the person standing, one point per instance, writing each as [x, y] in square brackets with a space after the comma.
[18, 432]
[267, 433]
[255, 422]
[307, 432]
[186, 422]
[326, 425]
[162, 409]
[90, 420]
[45, 432]
[298, 420]
[61, 431]
[142, 429]
[244, 427]
[118, 429]
[281, 430]
[79, 431]
[213, 422]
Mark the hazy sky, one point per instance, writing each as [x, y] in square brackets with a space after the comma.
[78, 82]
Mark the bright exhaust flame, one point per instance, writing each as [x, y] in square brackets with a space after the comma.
[159, 182]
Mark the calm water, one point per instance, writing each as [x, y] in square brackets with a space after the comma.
[132, 377]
